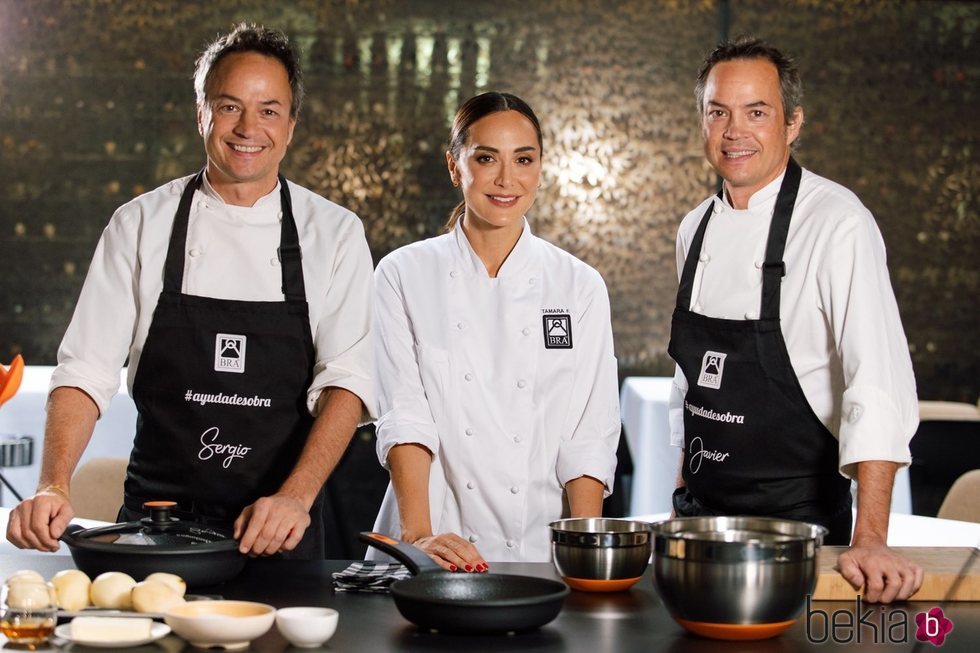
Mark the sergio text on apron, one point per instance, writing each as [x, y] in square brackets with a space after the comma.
[752, 443]
[221, 391]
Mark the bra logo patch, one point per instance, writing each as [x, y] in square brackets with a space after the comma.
[557, 331]
[712, 369]
[229, 353]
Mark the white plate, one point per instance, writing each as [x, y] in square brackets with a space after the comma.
[157, 630]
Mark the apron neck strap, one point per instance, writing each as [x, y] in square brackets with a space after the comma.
[691, 263]
[173, 271]
[773, 268]
[290, 256]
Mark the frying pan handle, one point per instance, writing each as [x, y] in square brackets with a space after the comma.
[417, 561]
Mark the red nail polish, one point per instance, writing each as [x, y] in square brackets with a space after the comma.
[452, 567]
[468, 568]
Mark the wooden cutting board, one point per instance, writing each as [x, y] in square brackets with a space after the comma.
[943, 567]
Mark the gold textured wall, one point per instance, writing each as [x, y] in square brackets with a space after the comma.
[96, 106]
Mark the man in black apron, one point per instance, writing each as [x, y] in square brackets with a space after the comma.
[752, 443]
[245, 454]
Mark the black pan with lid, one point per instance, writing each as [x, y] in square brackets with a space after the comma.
[198, 553]
[484, 603]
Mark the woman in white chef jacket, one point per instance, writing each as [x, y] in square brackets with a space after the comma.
[499, 407]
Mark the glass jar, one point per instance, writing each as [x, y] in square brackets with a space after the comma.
[29, 610]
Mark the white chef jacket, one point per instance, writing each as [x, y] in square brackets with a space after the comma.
[463, 369]
[837, 310]
[230, 253]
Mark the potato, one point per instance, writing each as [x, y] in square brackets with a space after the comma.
[155, 596]
[25, 574]
[72, 587]
[173, 580]
[30, 595]
[112, 589]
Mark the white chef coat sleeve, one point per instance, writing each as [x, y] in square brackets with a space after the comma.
[593, 423]
[97, 341]
[404, 415]
[879, 410]
[675, 407]
[342, 340]
[678, 388]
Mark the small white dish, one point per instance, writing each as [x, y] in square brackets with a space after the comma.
[307, 627]
[157, 630]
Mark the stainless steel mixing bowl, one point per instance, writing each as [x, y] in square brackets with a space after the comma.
[600, 554]
[735, 577]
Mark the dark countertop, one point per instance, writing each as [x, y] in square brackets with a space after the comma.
[620, 622]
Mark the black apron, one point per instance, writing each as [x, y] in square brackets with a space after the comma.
[752, 443]
[221, 392]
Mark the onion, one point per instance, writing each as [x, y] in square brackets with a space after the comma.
[112, 590]
[72, 587]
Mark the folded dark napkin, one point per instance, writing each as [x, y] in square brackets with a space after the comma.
[366, 576]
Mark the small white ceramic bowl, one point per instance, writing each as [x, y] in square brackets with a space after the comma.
[307, 627]
[230, 625]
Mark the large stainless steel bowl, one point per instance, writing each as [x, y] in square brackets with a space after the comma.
[600, 554]
[735, 577]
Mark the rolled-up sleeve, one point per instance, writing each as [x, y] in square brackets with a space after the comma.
[343, 342]
[593, 421]
[404, 413]
[879, 410]
[97, 341]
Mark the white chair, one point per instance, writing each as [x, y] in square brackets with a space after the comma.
[948, 410]
[962, 502]
[97, 488]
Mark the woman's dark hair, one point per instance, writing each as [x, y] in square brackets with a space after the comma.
[251, 38]
[480, 106]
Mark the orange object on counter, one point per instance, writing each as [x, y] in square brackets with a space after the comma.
[10, 378]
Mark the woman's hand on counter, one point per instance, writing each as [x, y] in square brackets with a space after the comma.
[451, 552]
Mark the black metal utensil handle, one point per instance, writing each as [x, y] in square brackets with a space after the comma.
[417, 561]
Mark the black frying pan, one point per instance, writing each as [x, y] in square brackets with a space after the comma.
[481, 603]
